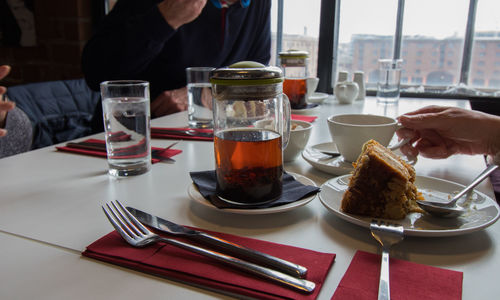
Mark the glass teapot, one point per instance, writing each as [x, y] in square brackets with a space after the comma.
[251, 129]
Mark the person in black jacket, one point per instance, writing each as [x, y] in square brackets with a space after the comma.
[155, 40]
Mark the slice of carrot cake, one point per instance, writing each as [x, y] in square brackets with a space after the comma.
[381, 186]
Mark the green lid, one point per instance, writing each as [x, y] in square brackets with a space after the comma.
[246, 73]
[292, 53]
[246, 64]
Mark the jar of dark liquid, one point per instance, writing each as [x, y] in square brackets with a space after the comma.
[251, 129]
[294, 66]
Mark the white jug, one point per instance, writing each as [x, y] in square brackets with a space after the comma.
[346, 91]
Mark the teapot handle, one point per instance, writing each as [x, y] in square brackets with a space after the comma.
[287, 114]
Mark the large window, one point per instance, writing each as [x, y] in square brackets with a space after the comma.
[300, 29]
[449, 47]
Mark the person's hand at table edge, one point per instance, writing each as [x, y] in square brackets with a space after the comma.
[439, 132]
[169, 102]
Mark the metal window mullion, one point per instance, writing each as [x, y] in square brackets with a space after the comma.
[335, 44]
[328, 45]
[468, 42]
[398, 36]
[279, 31]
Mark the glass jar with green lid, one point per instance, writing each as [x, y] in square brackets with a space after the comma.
[294, 66]
[251, 129]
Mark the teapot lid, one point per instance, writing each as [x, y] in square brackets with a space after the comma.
[246, 73]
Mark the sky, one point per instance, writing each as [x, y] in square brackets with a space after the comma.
[432, 18]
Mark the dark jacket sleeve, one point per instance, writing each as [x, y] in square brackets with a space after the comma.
[128, 40]
[261, 46]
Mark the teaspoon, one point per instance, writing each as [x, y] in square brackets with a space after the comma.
[331, 153]
[450, 209]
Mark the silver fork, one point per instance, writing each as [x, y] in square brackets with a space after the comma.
[138, 235]
[386, 234]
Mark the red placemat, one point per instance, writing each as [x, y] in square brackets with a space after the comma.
[102, 153]
[408, 280]
[171, 262]
[305, 118]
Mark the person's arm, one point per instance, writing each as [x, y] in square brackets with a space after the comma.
[261, 46]
[438, 132]
[131, 36]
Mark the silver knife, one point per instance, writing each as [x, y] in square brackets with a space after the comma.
[181, 132]
[235, 249]
[155, 153]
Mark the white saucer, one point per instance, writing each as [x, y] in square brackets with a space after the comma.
[317, 98]
[482, 211]
[328, 164]
[310, 108]
[197, 197]
[325, 162]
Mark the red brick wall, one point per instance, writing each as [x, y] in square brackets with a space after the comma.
[62, 28]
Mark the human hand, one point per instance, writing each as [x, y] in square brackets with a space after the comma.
[206, 97]
[5, 106]
[438, 132]
[169, 102]
[180, 12]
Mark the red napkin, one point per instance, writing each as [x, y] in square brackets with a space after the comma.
[170, 133]
[305, 118]
[167, 153]
[161, 133]
[119, 136]
[408, 280]
[168, 261]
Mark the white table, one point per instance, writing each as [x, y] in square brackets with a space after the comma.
[50, 210]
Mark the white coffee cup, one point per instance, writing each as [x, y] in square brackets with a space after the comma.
[349, 132]
[312, 85]
[346, 91]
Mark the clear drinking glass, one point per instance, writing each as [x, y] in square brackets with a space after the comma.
[199, 97]
[389, 80]
[126, 113]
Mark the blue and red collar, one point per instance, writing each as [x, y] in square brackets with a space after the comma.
[223, 3]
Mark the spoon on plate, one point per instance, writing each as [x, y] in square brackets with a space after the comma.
[450, 209]
[330, 152]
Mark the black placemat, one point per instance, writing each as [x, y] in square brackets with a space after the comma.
[293, 191]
